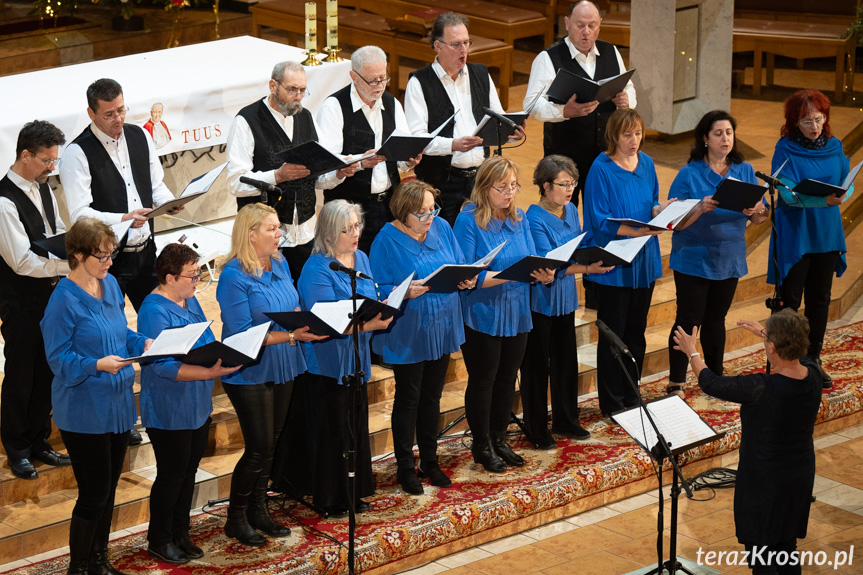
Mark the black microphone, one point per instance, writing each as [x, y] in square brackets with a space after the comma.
[263, 186]
[612, 338]
[500, 118]
[775, 182]
[337, 267]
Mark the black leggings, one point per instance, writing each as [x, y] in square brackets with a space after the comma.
[811, 279]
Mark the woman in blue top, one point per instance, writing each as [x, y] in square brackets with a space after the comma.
[708, 250]
[86, 337]
[811, 240]
[497, 313]
[622, 184]
[327, 398]
[419, 344]
[551, 359]
[176, 400]
[256, 280]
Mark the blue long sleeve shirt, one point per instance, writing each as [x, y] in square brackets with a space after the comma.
[550, 232]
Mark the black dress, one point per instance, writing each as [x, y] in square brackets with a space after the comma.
[777, 457]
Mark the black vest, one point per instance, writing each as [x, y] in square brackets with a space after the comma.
[270, 140]
[577, 137]
[433, 169]
[107, 184]
[17, 290]
[357, 138]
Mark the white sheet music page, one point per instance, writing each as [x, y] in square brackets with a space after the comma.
[176, 341]
[627, 248]
[679, 423]
[120, 229]
[673, 213]
[249, 342]
[564, 252]
[203, 182]
[335, 314]
[398, 294]
[489, 257]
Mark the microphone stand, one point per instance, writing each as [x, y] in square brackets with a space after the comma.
[499, 150]
[353, 381]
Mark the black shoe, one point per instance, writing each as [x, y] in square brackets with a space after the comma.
[826, 380]
[577, 432]
[409, 481]
[485, 456]
[363, 506]
[168, 553]
[261, 520]
[240, 530]
[23, 468]
[504, 451]
[434, 473]
[51, 457]
[99, 564]
[337, 511]
[135, 437]
[544, 442]
[185, 543]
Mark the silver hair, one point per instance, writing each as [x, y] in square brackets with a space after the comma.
[367, 55]
[157, 104]
[332, 220]
[279, 69]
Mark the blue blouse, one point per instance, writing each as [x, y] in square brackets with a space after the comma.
[714, 247]
[549, 232]
[79, 330]
[612, 192]
[808, 230]
[432, 324]
[244, 299]
[502, 310]
[334, 357]
[165, 402]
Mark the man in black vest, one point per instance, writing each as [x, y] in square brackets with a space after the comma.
[261, 131]
[28, 212]
[357, 120]
[433, 94]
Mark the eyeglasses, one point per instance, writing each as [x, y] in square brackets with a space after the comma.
[457, 45]
[194, 278]
[764, 334]
[566, 185]
[808, 122]
[47, 161]
[354, 229]
[292, 91]
[510, 190]
[425, 217]
[374, 83]
[102, 259]
[119, 113]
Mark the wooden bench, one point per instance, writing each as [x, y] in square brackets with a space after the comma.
[358, 28]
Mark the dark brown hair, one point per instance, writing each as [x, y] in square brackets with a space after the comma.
[172, 260]
[789, 332]
[549, 167]
[86, 237]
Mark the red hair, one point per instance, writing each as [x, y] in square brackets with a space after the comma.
[799, 104]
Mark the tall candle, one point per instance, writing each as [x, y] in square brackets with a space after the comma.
[311, 26]
[332, 23]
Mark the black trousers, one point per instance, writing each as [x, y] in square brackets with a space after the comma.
[492, 365]
[178, 453]
[767, 567]
[704, 303]
[376, 215]
[550, 360]
[97, 462]
[416, 408]
[261, 410]
[454, 191]
[624, 310]
[136, 273]
[296, 257]
[25, 398]
[811, 281]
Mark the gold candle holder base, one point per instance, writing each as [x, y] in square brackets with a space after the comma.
[333, 55]
[311, 59]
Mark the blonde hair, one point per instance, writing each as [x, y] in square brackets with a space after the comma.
[248, 220]
[334, 218]
[492, 170]
[620, 121]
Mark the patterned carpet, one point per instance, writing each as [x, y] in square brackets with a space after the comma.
[400, 525]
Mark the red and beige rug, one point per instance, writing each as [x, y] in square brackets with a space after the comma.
[400, 525]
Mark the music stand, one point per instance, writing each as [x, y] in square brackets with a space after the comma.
[683, 429]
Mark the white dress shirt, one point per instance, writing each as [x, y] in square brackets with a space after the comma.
[332, 124]
[458, 91]
[542, 74]
[76, 179]
[14, 242]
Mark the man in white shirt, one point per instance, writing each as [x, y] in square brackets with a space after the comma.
[357, 120]
[28, 273]
[577, 130]
[258, 134]
[448, 85]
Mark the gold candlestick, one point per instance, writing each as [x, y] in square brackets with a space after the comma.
[332, 31]
[311, 35]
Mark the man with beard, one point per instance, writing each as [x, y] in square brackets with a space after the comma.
[261, 131]
[28, 212]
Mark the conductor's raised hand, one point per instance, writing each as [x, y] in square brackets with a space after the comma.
[685, 342]
[466, 143]
[289, 172]
[751, 326]
[303, 334]
[573, 109]
[139, 216]
[111, 364]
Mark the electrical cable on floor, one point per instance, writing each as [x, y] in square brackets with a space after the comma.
[713, 479]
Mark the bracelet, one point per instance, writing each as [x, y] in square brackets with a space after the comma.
[291, 340]
[673, 388]
[693, 355]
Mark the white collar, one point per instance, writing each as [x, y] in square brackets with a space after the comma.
[574, 52]
[357, 102]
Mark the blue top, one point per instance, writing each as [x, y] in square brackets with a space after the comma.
[549, 232]
[612, 192]
[808, 230]
[502, 310]
[244, 299]
[165, 402]
[714, 247]
[334, 357]
[432, 324]
[79, 330]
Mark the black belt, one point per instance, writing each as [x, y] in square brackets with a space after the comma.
[379, 197]
[137, 248]
[463, 172]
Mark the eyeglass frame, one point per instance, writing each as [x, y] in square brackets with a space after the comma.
[513, 189]
[121, 113]
[456, 45]
[294, 90]
[47, 162]
[357, 227]
[425, 217]
[808, 123]
[373, 83]
[102, 259]
[195, 278]
[565, 186]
